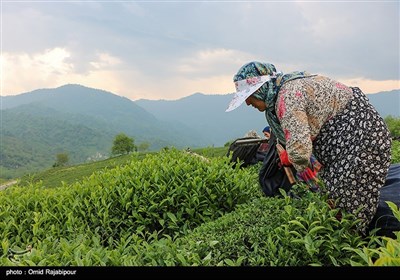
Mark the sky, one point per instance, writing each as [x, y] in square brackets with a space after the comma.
[172, 49]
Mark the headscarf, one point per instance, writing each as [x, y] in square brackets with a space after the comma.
[269, 91]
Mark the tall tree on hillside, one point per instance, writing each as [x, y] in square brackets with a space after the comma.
[61, 160]
[123, 145]
[393, 124]
[143, 146]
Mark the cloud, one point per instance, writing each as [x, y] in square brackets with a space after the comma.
[372, 86]
[51, 68]
[36, 70]
[172, 49]
[209, 62]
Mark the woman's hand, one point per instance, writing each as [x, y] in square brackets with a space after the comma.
[316, 165]
[309, 177]
[283, 156]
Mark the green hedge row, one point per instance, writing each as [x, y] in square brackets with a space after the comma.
[266, 232]
[165, 194]
[177, 209]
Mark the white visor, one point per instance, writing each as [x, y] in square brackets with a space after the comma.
[245, 88]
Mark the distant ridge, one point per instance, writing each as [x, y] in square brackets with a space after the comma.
[79, 121]
[386, 102]
[206, 113]
[109, 111]
[82, 121]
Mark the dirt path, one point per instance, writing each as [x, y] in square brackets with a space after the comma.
[8, 184]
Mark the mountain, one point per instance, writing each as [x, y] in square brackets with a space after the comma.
[30, 142]
[386, 102]
[106, 111]
[83, 121]
[207, 114]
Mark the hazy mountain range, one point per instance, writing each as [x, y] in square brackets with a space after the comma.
[83, 122]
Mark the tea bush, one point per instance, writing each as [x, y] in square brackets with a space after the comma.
[396, 151]
[266, 232]
[176, 209]
[388, 251]
[167, 193]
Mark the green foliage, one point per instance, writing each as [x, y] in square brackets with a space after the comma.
[266, 232]
[173, 191]
[61, 160]
[393, 124]
[388, 252]
[227, 144]
[144, 146]
[56, 177]
[30, 141]
[212, 151]
[165, 194]
[174, 208]
[123, 145]
[395, 151]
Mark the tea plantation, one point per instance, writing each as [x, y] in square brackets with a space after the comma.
[173, 208]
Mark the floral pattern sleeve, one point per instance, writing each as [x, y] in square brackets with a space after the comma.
[291, 110]
[302, 107]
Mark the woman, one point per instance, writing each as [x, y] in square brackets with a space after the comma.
[264, 146]
[267, 132]
[316, 115]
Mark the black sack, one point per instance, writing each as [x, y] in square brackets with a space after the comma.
[244, 150]
[272, 176]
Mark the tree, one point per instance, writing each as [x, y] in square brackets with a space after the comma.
[227, 144]
[393, 124]
[61, 160]
[143, 146]
[123, 145]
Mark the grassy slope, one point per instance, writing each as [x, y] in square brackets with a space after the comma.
[55, 177]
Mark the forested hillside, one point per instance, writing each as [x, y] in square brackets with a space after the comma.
[30, 142]
[79, 121]
[82, 122]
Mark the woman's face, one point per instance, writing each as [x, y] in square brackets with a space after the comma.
[256, 103]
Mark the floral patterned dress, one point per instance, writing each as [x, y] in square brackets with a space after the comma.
[339, 126]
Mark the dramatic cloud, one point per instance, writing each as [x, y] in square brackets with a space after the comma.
[171, 49]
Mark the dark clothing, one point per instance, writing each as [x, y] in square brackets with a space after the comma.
[354, 148]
